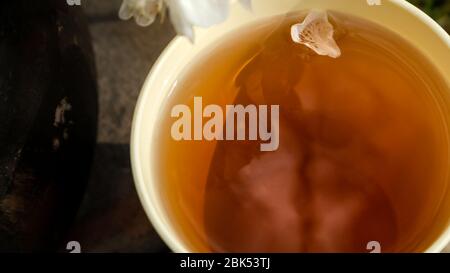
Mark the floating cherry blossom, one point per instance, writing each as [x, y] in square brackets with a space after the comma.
[316, 32]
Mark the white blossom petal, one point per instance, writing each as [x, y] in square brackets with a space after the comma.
[202, 13]
[144, 19]
[316, 32]
[179, 21]
[143, 11]
[126, 10]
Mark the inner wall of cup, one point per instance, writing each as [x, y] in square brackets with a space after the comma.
[431, 44]
[437, 237]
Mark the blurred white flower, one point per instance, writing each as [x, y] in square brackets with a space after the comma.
[184, 14]
[143, 11]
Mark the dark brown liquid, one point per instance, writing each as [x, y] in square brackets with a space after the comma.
[362, 153]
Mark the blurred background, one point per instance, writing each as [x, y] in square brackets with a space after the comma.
[111, 218]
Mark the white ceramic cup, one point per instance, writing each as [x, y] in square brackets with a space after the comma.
[397, 15]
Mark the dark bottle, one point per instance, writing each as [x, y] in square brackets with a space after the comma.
[48, 119]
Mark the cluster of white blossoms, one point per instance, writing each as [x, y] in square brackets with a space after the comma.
[314, 32]
[184, 14]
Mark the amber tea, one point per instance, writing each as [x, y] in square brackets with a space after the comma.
[363, 145]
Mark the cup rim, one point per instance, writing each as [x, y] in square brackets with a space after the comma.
[172, 241]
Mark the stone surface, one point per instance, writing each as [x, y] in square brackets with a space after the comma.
[125, 53]
[111, 218]
[101, 8]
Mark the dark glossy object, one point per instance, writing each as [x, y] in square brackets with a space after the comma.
[48, 117]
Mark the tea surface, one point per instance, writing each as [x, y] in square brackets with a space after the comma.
[363, 144]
